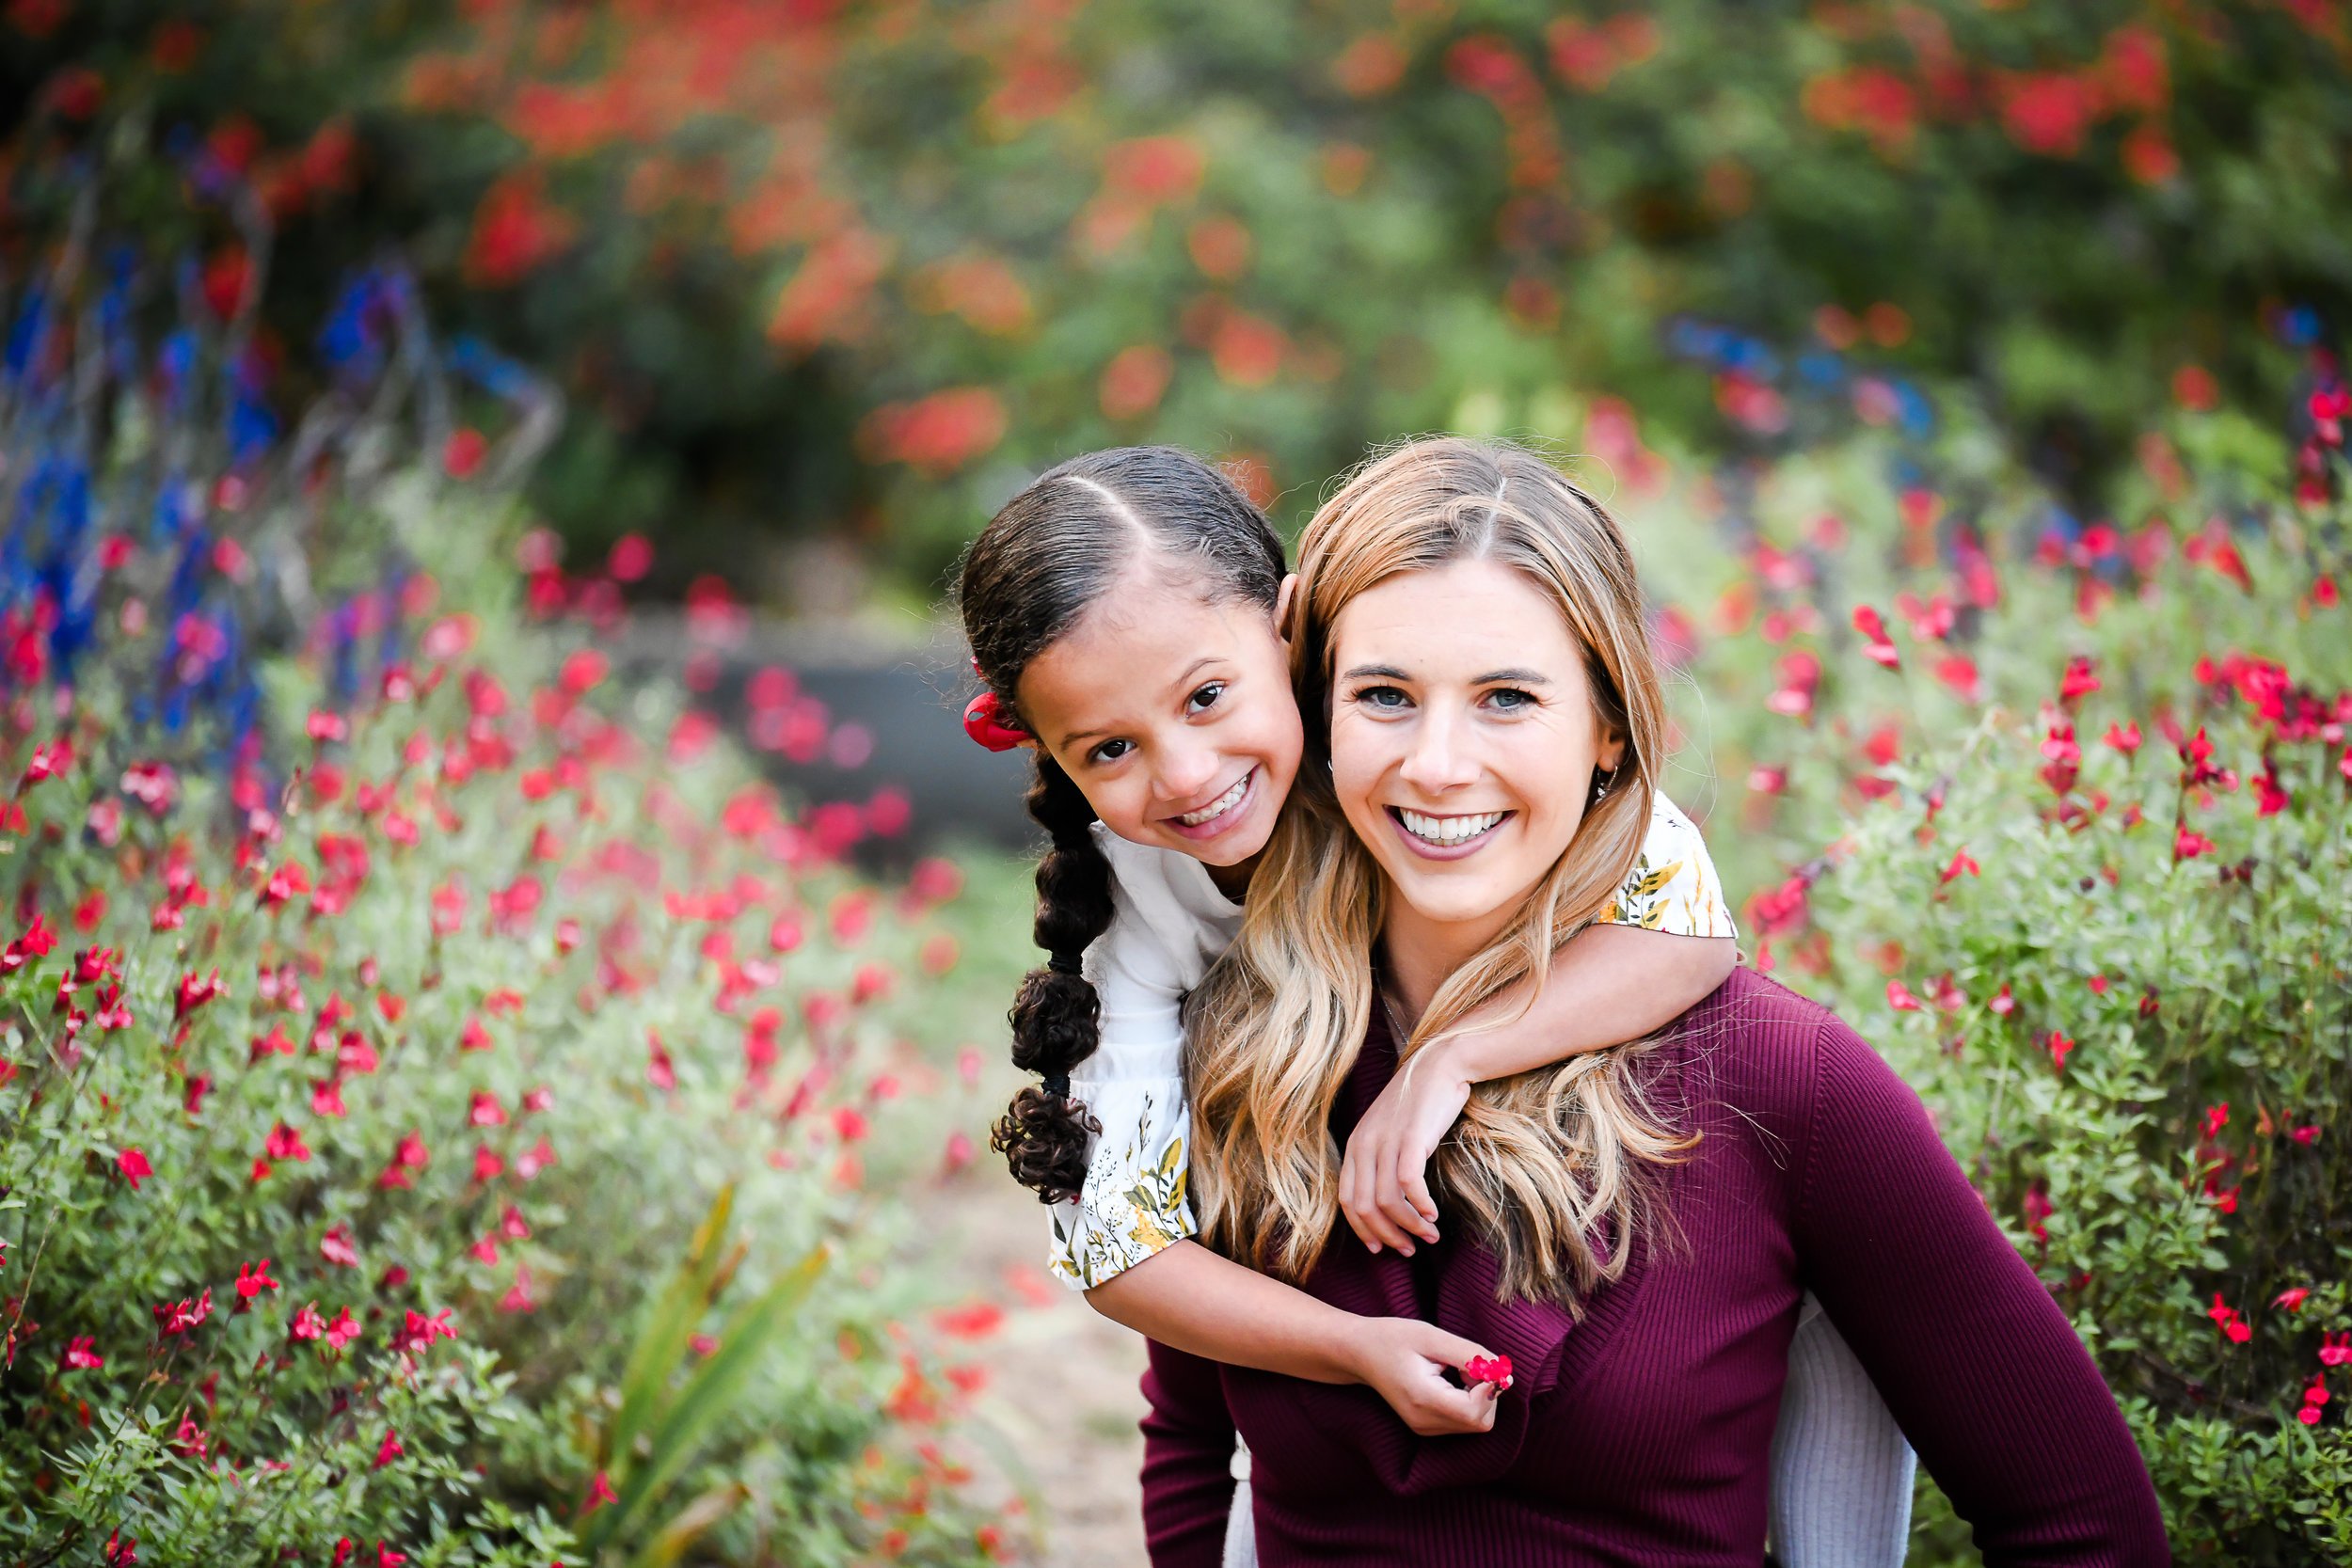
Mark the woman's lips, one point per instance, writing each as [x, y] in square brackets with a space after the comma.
[1438, 849]
[1229, 809]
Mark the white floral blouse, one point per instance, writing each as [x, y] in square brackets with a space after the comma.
[1170, 925]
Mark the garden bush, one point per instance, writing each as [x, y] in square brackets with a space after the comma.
[451, 1110]
[2058, 810]
[850, 270]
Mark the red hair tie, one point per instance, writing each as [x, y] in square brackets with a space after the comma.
[984, 722]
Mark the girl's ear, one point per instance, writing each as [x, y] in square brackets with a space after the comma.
[1284, 604]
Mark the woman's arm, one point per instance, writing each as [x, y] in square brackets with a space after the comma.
[1971, 1352]
[1190, 1298]
[1608, 985]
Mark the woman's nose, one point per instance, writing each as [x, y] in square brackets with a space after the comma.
[1435, 757]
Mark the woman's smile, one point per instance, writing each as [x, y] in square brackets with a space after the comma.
[1449, 836]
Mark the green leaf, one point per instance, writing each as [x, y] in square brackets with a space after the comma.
[663, 1344]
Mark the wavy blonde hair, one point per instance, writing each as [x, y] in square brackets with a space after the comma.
[1554, 1169]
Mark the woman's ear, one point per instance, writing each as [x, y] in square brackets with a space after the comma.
[1611, 754]
[1284, 603]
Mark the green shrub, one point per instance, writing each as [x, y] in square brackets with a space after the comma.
[491, 1097]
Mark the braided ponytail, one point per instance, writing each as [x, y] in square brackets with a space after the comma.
[1057, 1019]
[1055, 549]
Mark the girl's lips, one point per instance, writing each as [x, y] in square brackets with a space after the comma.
[1430, 851]
[1224, 821]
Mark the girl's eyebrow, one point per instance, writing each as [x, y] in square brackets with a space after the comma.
[1184, 680]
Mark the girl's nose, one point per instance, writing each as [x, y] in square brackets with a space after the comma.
[1185, 773]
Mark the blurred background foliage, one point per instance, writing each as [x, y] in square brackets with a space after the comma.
[834, 278]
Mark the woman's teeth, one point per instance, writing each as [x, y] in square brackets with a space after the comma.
[1448, 829]
[1219, 806]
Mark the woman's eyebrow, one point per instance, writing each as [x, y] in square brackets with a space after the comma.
[1376, 671]
[1516, 677]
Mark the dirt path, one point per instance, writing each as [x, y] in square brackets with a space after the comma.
[1062, 1393]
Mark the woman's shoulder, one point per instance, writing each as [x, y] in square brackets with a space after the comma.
[1758, 1043]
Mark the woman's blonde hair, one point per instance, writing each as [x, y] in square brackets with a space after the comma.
[1554, 1169]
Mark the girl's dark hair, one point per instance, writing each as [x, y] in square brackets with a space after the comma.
[1040, 563]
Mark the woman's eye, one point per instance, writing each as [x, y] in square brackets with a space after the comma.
[1205, 697]
[1383, 699]
[1511, 700]
[1110, 751]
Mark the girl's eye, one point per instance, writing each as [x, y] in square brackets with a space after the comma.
[1384, 699]
[1110, 751]
[1205, 698]
[1511, 698]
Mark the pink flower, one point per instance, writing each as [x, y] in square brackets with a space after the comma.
[1898, 997]
[336, 1247]
[307, 1323]
[134, 1167]
[344, 1330]
[486, 1110]
[2335, 1349]
[1877, 646]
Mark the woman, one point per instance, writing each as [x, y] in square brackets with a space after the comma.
[1633, 1228]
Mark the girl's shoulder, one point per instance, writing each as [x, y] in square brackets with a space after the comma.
[1167, 899]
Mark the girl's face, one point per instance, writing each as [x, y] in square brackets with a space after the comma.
[1174, 712]
[1463, 742]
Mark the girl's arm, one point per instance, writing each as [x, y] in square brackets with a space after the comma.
[1190, 1298]
[1122, 1238]
[1664, 945]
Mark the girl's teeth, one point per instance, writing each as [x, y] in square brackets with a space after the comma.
[1217, 807]
[1448, 829]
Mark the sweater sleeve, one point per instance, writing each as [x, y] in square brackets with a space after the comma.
[1187, 1461]
[1977, 1363]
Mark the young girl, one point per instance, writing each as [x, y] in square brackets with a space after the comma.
[1126, 612]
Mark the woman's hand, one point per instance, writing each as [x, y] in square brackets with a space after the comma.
[1383, 1187]
[1405, 1361]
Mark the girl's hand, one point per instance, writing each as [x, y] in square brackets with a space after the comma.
[1384, 1187]
[1405, 1361]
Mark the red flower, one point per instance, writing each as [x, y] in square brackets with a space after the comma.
[2060, 1045]
[2188, 844]
[1877, 646]
[37, 941]
[1963, 865]
[473, 1036]
[1489, 1369]
[389, 1450]
[2292, 1300]
[659, 1070]
[175, 1317]
[1898, 997]
[486, 1111]
[285, 1143]
[599, 1492]
[193, 993]
[307, 1323]
[2079, 681]
[2305, 1135]
[121, 1549]
[344, 1330]
[488, 1165]
[2334, 1349]
[2123, 737]
[418, 1332]
[253, 1278]
[134, 1166]
[79, 1356]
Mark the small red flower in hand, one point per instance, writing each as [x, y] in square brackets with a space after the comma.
[1489, 1369]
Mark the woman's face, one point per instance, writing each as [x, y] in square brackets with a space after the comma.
[1463, 740]
[1174, 713]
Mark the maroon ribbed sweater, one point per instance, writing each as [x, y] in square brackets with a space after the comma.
[1641, 1436]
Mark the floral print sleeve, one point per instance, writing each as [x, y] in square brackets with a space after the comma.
[1672, 886]
[1134, 1203]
